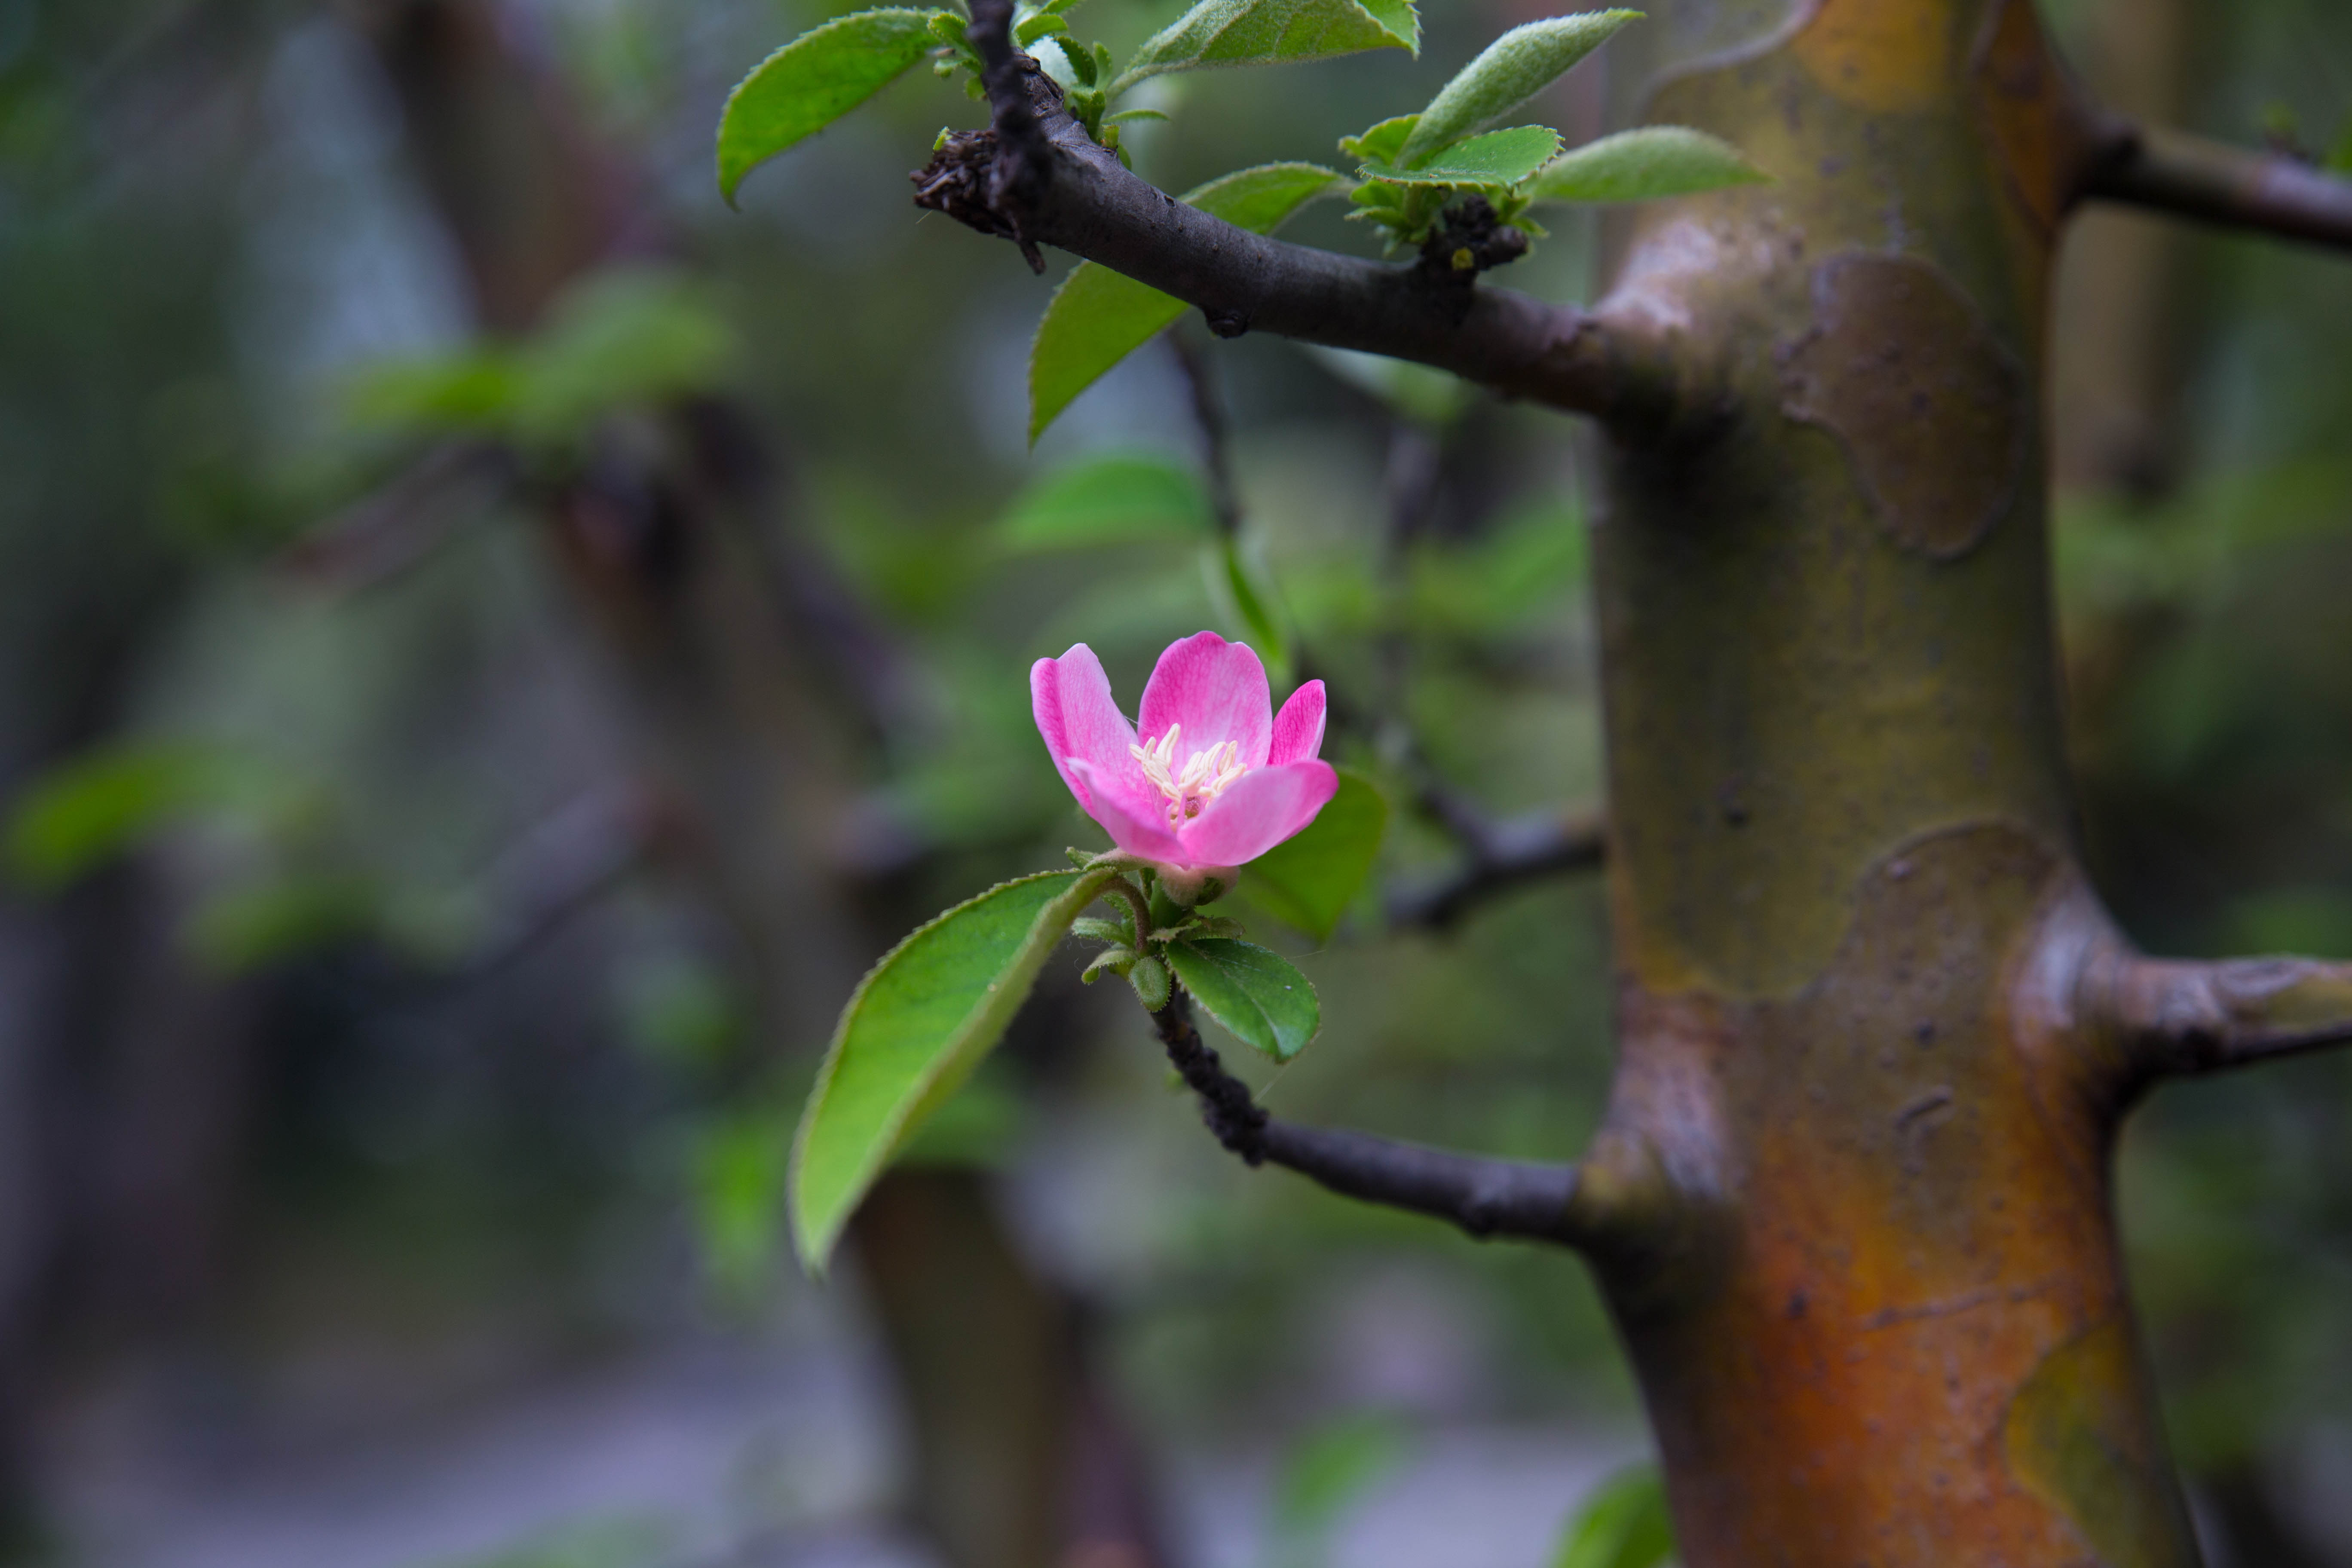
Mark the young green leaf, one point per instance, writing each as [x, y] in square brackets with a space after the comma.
[1644, 164]
[913, 1031]
[1382, 141]
[1308, 882]
[1510, 71]
[1081, 58]
[1121, 498]
[1029, 29]
[1625, 1524]
[1253, 991]
[1261, 32]
[1098, 317]
[1496, 161]
[815, 80]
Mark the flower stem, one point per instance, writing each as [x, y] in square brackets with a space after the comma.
[1139, 909]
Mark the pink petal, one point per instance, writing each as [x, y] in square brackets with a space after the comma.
[1298, 728]
[1070, 696]
[1217, 691]
[1137, 821]
[1258, 811]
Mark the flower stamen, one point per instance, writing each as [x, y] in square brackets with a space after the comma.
[1204, 777]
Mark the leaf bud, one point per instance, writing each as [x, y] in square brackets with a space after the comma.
[1150, 978]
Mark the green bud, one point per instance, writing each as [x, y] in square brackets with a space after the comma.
[1150, 978]
[1199, 884]
[1095, 928]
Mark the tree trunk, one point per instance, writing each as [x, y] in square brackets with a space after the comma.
[1890, 1324]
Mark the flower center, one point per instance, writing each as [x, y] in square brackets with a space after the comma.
[1204, 777]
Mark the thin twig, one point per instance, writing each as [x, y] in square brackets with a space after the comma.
[1502, 856]
[1209, 413]
[2192, 178]
[1485, 1197]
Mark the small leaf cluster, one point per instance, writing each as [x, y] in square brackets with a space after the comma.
[825, 73]
[1414, 165]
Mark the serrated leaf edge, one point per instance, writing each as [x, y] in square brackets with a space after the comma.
[727, 187]
[932, 1084]
[1277, 1054]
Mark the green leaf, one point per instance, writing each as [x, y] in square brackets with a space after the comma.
[815, 80]
[1382, 141]
[1308, 882]
[472, 389]
[1625, 1524]
[1031, 29]
[975, 1128]
[1253, 991]
[1261, 32]
[1507, 73]
[1642, 165]
[1081, 58]
[246, 927]
[625, 337]
[915, 1029]
[1334, 1466]
[740, 1159]
[2339, 157]
[1098, 317]
[1236, 587]
[1114, 500]
[84, 813]
[1498, 160]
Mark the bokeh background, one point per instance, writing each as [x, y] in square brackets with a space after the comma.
[492, 642]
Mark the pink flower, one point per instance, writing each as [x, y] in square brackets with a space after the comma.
[1218, 778]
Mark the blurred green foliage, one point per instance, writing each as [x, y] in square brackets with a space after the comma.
[1625, 1524]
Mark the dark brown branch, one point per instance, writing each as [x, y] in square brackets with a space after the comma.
[1036, 177]
[2191, 178]
[2173, 1017]
[1485, 1197]
[1502, 856]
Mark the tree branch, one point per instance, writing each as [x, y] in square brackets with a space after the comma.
[2174, 1018]
[1485, 1197]
[1502, 856]
[1035, 177]
[2192, 178]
